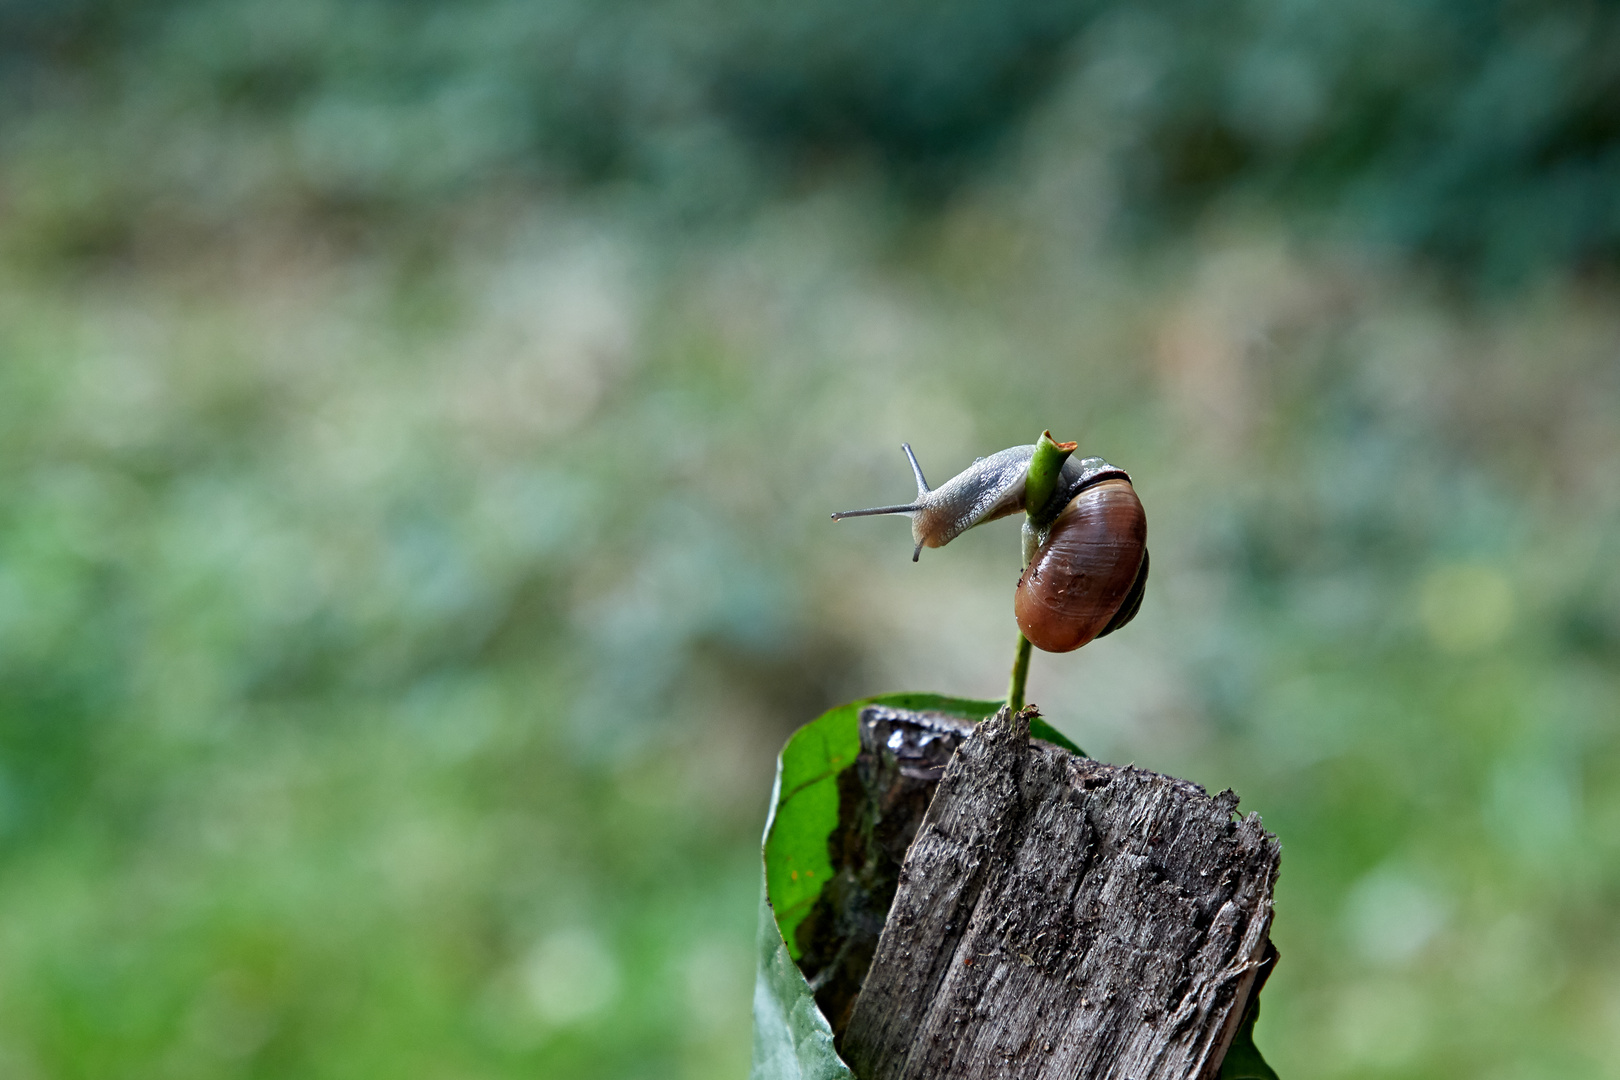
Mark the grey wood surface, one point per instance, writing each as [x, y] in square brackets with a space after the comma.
[1058, 917]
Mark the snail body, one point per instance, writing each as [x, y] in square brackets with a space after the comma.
[1084, 573]
[991, 488]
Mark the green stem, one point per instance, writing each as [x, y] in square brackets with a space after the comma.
[1020, 674]
[1041, 482]
[1040, 487]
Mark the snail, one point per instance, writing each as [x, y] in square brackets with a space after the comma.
[1084, 573]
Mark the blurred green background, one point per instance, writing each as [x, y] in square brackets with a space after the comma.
[419, 423]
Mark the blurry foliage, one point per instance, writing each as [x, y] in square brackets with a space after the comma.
[419, 425]
[1484, 135]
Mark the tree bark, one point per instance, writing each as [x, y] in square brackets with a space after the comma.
[1058, 917]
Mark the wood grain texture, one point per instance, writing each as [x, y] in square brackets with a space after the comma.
[1058, 917]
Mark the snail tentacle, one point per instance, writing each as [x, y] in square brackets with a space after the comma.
[922, 485]
[876, 511]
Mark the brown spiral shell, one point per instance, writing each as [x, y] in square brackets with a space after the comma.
[1086, 579]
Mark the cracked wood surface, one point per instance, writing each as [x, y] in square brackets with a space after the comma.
[1058, 917]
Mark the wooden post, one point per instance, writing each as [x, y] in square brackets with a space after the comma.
[1053, 917]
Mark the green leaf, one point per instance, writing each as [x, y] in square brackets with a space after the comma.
[804, 806]
[1040, 729]
[792, 1039]
[1243, 1060]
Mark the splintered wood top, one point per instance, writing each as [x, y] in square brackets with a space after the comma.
[1061, 918]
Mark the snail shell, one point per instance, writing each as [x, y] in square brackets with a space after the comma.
[1088, 573]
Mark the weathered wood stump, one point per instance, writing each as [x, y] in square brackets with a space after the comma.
[1053, 917]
